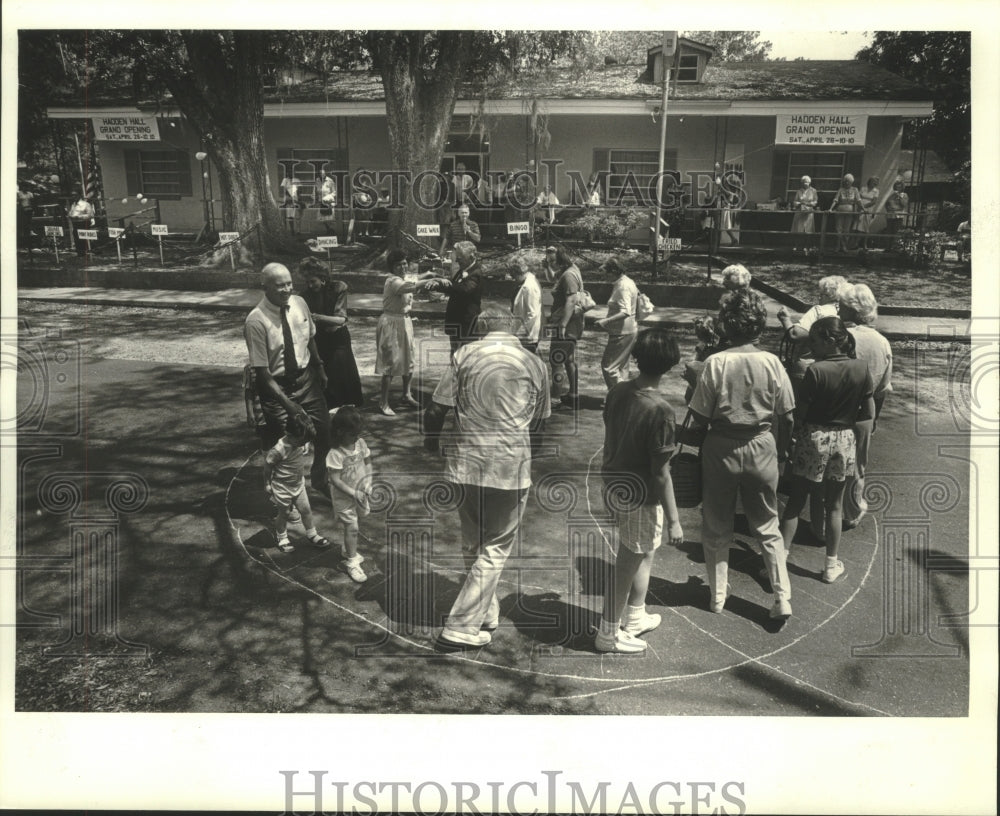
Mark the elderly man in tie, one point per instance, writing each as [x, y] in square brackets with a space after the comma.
[288, 372]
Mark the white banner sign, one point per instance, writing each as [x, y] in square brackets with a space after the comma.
[425, 230]
[87, 235]
[54, 232]
[326, 241]
[158, 229]
[227, 237]
[518, 228]
[826, 129]
[115, 232]
[126, 128]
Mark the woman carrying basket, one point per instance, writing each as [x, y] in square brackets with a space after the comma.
[745, 398]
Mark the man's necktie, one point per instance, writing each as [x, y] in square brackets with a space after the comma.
[291, 364]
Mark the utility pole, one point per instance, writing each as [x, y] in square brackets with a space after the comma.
[669, 48]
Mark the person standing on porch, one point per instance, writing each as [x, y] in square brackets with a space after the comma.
[846, 205]
[804, 204]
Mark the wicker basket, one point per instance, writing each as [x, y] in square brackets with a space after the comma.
[685, 466]
[685, 473]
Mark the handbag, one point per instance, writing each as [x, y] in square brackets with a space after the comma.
[643, 307]
[584, 301]
[685, 466]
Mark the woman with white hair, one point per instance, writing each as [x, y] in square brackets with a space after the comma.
[804, 204]
[846, 205]
[859, 311]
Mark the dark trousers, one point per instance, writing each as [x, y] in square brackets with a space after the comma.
[303, 390]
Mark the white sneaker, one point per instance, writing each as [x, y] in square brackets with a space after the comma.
[454, 638]
[833, 572]
[647, 623]
[621, 642]
[352, 567]
[782, 610]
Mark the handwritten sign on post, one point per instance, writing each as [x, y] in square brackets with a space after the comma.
[87, 235]
[428, 230]
[326, 241]
[158, 229]
[228, 237]
[53, 232]
[518, 228]
[115, 233]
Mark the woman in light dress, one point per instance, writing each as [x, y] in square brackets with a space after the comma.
[394, 349]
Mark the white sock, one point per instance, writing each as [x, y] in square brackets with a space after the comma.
[608, 628]
[831, 560]
[635, 613]
[311, 532]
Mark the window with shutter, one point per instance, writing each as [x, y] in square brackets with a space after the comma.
[164, 174]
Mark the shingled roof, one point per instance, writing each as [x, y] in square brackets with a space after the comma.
[800, 80]
[726, 81]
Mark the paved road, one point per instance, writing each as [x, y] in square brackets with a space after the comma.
[231, 626]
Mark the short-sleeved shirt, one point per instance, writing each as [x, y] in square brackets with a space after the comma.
[264, 338]
[570, 282]
[392, 301]
[816, 312]
[350, 462]
[875, 350]
[834, 389]
[289, 464]
[527, 307]
[743, 388]
[638, 429]
[624, 295]
[500, 393]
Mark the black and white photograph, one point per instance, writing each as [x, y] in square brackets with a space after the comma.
[518, 410]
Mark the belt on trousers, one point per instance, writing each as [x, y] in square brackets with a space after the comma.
[739, 431]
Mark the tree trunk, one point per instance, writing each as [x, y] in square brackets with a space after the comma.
[220, 91]
[419, 102]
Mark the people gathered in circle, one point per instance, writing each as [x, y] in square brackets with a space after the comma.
[800, 424]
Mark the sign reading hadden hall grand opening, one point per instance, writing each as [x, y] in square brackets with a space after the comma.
[126, 128]
[825, 129]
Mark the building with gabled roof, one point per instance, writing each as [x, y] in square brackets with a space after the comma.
[770, 122]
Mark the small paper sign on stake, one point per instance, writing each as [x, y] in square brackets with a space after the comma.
[518, 228]
[326, 241]
[227, 239]
[115, 233]
[428, 230]
[56, 233]
[87, 235]
[159, 230]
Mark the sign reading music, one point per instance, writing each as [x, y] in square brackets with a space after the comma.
[825, 129]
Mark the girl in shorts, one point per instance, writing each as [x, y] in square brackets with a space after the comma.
[836, 393]
[285, 466]
[349, 476]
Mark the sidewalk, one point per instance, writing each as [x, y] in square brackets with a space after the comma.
[894, 327]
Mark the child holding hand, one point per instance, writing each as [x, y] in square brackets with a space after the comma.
[349, 476]
[285, 466]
